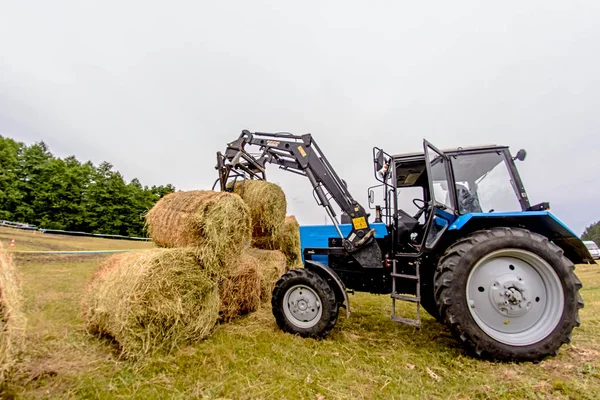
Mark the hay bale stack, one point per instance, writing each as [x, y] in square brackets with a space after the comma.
[215, 224]
[272, 264]
[12, 319]
[152, 301]
[240, 291]
[267, 206]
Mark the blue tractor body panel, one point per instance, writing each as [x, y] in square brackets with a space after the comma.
[542, 222]
[551, 221]
[315, 236]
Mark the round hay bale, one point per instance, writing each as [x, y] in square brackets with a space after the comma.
[96, 319]
[289, 242]
[152, 301]
[215, 224]
[12, 319]
[240, 291]
[272, 264]
[267, 205]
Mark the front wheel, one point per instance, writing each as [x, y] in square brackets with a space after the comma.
[304, 303]
[508, 294]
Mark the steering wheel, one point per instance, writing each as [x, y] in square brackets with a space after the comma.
[421, 208]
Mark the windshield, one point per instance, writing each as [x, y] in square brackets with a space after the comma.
[591, 246]
[483, 183]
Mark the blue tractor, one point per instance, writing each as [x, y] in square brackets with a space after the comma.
[455, 233]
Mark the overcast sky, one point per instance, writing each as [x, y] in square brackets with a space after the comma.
[157, 87]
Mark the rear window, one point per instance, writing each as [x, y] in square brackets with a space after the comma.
[591, 246]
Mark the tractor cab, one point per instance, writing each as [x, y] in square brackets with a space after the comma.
[424, 193]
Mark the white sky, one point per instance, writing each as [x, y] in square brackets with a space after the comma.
[156, 88]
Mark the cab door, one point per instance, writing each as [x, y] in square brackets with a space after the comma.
[442, 193]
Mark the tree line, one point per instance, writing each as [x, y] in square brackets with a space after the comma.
[592, 232]
[53, 193]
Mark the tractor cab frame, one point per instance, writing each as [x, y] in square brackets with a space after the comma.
[424, 193]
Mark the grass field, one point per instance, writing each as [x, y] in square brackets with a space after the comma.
[36, 241]
[367, 355]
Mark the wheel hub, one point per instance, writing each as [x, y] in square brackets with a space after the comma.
[515, 296]
[508, 293]
[303, 306]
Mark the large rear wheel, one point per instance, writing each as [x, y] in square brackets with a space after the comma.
[427, 293]
[304, 303]
[508, 294]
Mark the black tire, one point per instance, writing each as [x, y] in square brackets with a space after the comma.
[292, 280]
[428, 300]
[455, 268]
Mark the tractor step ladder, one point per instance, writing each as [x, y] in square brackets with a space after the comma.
[412, 299]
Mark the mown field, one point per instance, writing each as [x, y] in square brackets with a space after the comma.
[36, 241]
[367, 355]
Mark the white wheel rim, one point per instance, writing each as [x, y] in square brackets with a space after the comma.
[515, 297]
[302, 306]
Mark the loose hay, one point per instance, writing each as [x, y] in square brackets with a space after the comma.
[289, 242]
[240, 292]
[12, 319]
[265, 242]
[267, 206]
[215, 224]
[272, 264]
[152, 301]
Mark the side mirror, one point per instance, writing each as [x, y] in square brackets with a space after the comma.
[371, 196]
[521, 154]
[379, 160]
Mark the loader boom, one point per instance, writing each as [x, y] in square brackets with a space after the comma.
[301, 155]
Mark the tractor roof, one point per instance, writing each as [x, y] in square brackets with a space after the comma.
[455, 150]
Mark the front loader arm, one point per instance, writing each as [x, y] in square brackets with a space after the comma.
[301, 155]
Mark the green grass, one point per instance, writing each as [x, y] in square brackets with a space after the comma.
[367, 355]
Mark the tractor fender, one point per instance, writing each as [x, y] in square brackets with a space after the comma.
[328, 274]
[541, 222]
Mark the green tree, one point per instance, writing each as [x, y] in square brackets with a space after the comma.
[60, 201]
[78, 179]
[160, 191]
[10, 195]
[32, 172]
[592, 232]
[38, 188]
[138, 204]
[107, 201]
